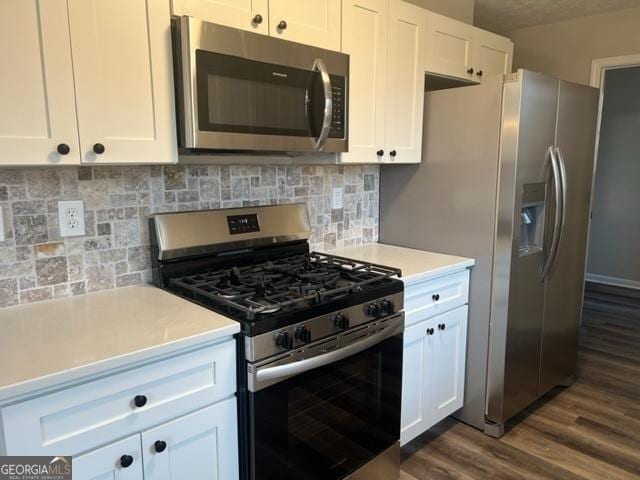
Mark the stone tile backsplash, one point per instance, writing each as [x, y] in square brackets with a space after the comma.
[37, 264]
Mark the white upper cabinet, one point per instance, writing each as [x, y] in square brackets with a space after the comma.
[36, 85]
[364, 38]
[405, 83]
[251, 15]
[312, 22]
[124, 82]
[449, 47]
[86, 76]
[459, 50]
[493, 54]
[385, 40]
[202, 445]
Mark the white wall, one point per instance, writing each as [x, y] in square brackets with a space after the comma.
[566, 49]
[614, 249]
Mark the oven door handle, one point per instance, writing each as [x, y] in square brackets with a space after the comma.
[319, 66]
[294, 368]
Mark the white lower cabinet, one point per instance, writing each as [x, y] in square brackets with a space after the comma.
[175, 418]
[199, 446]
[433, 371]
[121, 460]
[449, 353]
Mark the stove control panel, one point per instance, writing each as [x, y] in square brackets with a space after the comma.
[292, 337]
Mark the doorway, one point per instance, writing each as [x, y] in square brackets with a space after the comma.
[614, 241]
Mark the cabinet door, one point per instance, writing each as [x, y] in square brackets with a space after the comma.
[450, 47]
[124, 85]
[109, 463]
[199, 446]
[405, 83]
[251, 15]
[417, 378]
[312, 22]
[493, 55]
[36, 85]
[449, 354]
[364, 38]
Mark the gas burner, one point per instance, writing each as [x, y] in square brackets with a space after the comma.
[298, 281]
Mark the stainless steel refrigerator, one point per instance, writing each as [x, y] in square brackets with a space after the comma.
[505, 178]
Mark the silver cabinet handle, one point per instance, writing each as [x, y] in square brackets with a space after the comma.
[319, 66]
[558, 220]
[289, 369]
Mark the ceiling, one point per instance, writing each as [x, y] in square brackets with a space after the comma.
[505, 15]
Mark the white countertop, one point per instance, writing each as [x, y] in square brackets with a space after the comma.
[415, 264]
[58, 341]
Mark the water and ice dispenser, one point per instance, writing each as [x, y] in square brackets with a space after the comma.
[532, 217]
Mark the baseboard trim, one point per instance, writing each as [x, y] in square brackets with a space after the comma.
[616, 282]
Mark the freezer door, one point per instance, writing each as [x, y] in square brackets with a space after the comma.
[575, 140]
[528, 130]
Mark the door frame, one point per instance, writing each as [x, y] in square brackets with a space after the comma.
[599, 66]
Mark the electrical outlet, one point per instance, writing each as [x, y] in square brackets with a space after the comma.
[71, 215]
[336, 198]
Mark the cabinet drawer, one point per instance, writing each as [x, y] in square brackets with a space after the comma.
[80, 418]
[425, 299]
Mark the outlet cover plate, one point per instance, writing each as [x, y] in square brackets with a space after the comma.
[336, 198]
[71, 214]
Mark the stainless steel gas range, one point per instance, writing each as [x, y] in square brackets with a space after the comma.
[320, 348]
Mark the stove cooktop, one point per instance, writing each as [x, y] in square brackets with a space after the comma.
[275, 293]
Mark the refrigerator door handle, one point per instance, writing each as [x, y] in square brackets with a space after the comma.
[558, 218]
[563, 217]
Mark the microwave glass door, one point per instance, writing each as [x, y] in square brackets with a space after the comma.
[238, 95]
[327, 422]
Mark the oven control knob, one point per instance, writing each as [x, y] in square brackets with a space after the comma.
[373, 310]
[341, 321]
[387, 307]
[284, 340]
[303, 334]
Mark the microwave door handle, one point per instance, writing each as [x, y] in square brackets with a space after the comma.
[266, 374]
[320, 67]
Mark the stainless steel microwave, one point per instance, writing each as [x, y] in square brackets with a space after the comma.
[239, 91]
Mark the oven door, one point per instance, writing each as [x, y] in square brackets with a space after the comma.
[326, 422]
[249, 92]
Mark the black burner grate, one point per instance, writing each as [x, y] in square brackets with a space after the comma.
[282, 284]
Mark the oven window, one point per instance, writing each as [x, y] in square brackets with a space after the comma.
[327, 422]
[245, 96]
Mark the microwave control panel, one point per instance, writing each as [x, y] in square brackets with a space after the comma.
[338, 88]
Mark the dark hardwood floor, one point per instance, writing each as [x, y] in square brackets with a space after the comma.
[590, 430]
